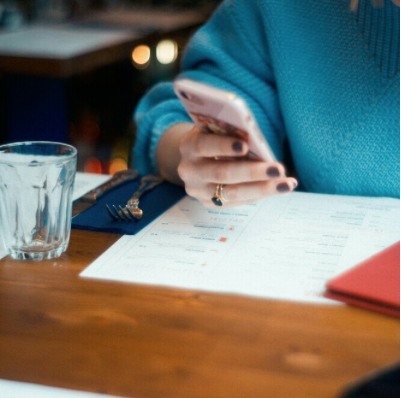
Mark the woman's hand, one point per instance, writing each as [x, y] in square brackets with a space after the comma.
[208, 160]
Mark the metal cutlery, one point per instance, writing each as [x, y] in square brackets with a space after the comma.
[90, 198]
[131, 211]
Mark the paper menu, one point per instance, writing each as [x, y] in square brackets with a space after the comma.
[285, 247]
[16, 389]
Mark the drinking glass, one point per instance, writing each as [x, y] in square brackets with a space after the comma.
[36, 184]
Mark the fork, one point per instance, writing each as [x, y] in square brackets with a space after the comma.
[132, 212]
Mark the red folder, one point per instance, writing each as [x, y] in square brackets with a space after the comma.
[374, 284]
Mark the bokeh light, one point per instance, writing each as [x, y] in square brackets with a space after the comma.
[93, 165]
[117, 164]
[141, 56]
[166, 51]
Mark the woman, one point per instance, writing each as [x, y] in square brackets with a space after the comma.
[323, 83]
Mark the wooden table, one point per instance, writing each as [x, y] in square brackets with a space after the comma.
[61, 330]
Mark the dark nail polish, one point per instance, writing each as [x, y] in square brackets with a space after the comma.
[282, 187]
[237, 146]
[273, 171]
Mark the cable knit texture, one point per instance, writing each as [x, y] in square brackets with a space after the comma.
[316, 75]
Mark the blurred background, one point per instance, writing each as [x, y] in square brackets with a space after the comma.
[73, 71]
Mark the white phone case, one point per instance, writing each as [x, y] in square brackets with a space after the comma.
[223, 112]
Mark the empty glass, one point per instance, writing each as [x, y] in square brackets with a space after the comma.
[36, 183]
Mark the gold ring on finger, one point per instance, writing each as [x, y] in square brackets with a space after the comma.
[218, 198]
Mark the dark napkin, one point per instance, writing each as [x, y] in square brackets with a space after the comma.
[153, 203]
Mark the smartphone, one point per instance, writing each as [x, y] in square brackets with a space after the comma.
[225, 113]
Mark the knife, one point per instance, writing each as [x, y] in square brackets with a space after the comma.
[90, 198]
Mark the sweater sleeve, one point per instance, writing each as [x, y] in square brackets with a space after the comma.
[230, 52]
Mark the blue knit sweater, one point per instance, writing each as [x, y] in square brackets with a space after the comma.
[321, 80]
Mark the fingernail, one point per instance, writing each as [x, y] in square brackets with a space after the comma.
[282, 187]
[273, 171]
[237, 146]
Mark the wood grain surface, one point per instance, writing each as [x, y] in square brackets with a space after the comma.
[59, 329]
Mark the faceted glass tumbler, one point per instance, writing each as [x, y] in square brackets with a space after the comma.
[36, 184]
